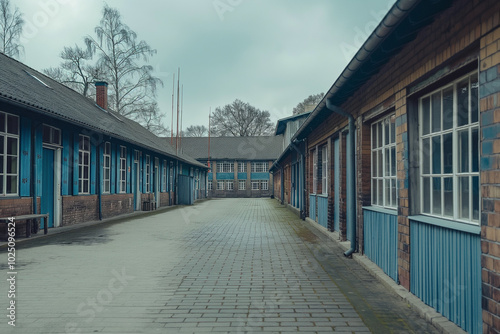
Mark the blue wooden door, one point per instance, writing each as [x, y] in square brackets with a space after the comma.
[48, 186]
[336, 185]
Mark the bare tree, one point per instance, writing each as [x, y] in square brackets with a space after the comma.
[11, 28]
[76, 70]
[195, 131]
[308, 104]
[124, 59]
[241, 119]
[152, 119]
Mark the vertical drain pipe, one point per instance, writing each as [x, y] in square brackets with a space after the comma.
[351, 171]
[301, 179]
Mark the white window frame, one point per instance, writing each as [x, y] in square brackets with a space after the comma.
[259, 167]
[164, 176]
[210, 185]
[123, 169]
[229, 185]
[242, 167]
[106, 168]
[324, 169]
[54, 135]
[148, 174]
[264, 185]
[225, 167]
[453, 175]
[83, 151]
[220, 185]
[383, 162]
[255, 185]
[242, 184]
[13, 136]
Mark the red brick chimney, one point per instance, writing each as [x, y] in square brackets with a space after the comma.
[101, 92]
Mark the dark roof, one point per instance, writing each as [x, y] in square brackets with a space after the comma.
[26, 88]
[399, 27]
[281, 123]
[233, 148]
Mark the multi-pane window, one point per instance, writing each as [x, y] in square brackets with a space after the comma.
[315, 171]
[324, 169]
[242, 184]
[164, 175]
[209, 185]
[220, 185]
[9, 154]
[449, 152]
[259, 167]
[242, 167]
[255, 185]
[106, 167]
[384, 162]
[264, 185]
[225, 167]
[171, 176]
[148, 173]
[84, 165]
[123, 169]
[229, 185]
[51, 135]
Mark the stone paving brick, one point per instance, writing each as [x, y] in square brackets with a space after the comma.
[237, 266]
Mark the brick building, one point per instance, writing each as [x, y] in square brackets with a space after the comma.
[63, 154]
[239, 165]
[402, 156]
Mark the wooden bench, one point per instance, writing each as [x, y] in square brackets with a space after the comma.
[28, 219]
[149, 205]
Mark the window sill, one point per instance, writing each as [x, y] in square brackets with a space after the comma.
[380, 209]
[450, 224]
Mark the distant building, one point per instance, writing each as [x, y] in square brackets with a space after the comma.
[239, 165]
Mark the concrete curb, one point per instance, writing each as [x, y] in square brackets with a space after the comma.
[425, 311]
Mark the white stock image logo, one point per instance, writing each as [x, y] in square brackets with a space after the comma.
[361, 35]
[103, 298]
[224, 6]
[41, 18]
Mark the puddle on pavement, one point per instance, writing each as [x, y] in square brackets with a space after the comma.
[86, 241]
[306, 235]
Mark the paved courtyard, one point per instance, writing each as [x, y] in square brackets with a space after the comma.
[231, 265]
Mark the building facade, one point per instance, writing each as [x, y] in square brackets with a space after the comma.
[401, 157]
[239, 165]
[71, 157]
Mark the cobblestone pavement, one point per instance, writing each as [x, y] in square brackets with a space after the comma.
[232, 265]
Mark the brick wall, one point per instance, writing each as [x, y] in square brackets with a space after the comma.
[490, 177]
[363, 171]
[116, 204]
[164, 199]
[79, 209]
[10, 207]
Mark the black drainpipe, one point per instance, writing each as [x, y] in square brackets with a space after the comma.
[301, 173]
[351, 172]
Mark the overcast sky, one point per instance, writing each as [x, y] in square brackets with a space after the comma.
[269, 53]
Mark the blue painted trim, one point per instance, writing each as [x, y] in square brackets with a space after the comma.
[450, 224]
[25, 158]
[210, 176]
[259, 176]
[242, 176]
[225, 176]
[66, 158]
[381, 210]
[76, 149]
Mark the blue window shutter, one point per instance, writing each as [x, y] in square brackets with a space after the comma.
[76, 180]
[101, 166]
[130, 151]
[65, 163]
[25, 158]
[39, 158]
[92, 168]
